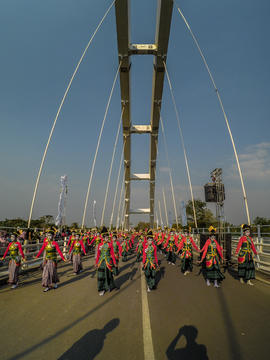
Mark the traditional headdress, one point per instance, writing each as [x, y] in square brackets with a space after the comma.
[212, 230]
[104, 231]
[245, 227]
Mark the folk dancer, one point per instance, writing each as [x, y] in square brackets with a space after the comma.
[85, 239]
[14, 247]
[117, 249]
[150, 262]
[160, 240]
[139, 249]
[77, 247]
[131, 243]
[125, 249]
[170, 248]
[71, 239]
[245, 247]
[49, 274]
[212, 251]
[185, 246]
[97, 239]
[105, 262]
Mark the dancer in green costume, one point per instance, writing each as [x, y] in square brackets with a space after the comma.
[105, 263]
[212, 251]
[245, 247]
[150, 262]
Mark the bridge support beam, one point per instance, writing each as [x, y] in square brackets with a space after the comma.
[159, 51]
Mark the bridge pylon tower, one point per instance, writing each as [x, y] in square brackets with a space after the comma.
[125, 51]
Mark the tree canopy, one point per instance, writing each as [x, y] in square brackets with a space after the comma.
[204, 216]
[43, 222]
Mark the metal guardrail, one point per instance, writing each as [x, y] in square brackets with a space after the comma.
[262, 245]
[261, 240]
[30, 251]
[257, 230]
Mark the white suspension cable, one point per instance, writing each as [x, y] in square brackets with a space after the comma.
[170, 173]
[156, 143]
[59, 110]
[110, 171]
[123, 213]
[165, 207]
[97, 148]
[117, 182]
[161, 221]
[158, 222]
[223, 111]
[120, 198]
[183, 145]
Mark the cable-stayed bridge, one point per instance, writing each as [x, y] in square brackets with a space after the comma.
[126, 51]
[182, 319]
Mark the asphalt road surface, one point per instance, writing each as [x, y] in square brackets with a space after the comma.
[187, 319]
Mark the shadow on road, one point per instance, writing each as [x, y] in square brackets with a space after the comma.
[192, 350]
[132, 273]
[119, 281]
[235, 349]
[160, 275]
[74, 278]
[32, 277]
[49, 338]
[91, 344]
[233, 273]
[127, 265]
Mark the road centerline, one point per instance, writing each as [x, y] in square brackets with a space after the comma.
[147, 332]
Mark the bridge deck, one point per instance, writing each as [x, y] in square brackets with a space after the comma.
[68, 323]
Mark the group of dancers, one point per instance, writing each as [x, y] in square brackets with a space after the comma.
[110, 247]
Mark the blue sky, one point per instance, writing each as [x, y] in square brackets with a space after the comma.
[41, 42]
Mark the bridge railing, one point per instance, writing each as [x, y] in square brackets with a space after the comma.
[261, 238]
[30, 251]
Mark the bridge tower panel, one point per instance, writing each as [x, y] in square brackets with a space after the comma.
[125, 50]
[164, 16]
[123, 38]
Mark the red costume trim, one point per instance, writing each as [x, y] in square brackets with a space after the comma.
[241, 240]
[82, 245]
[69, 240]
[111, 253]
[204, 249]
[57, 249]
[167, 242]
[19, 246]
[155, 253]
[183, 241]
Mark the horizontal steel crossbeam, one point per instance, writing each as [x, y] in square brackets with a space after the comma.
[142, 49]
[140, 177]
[139, 211]
[140, 129]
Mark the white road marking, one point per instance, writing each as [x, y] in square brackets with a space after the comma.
[147, 333]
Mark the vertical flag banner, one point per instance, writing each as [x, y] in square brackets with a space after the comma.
[183, 213]
[94, 213]
[62, 201]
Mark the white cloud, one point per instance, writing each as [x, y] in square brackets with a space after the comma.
[255, 162]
